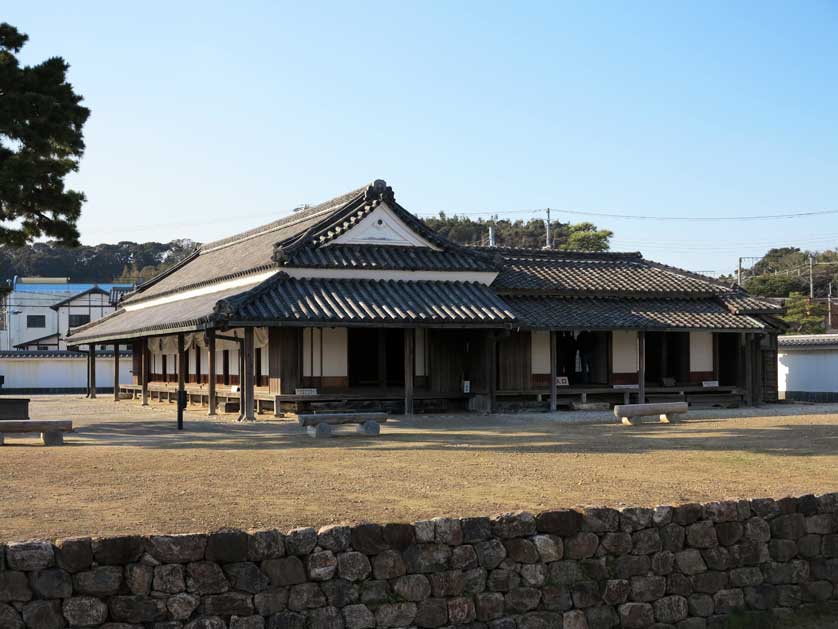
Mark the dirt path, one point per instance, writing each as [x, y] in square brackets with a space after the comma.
[128, 470]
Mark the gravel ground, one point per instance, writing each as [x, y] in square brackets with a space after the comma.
[126, 468]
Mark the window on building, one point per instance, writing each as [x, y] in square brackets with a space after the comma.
[36, 321]
[79, 319]
[43, 347]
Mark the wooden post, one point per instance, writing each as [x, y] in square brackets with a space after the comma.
[92, 379]
[491, 369]
[145, 370]
[248, 390]
[641, 371]
[211, 403]
[182, 366]
[116, 372]
[382, 358]
[553, 372]
[757, 349]
[747, 350]
[409, 364]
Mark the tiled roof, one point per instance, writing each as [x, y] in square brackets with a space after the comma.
[739, 302]
[181, 315]
[628, 313]
[350, 301]
[248, 252]
[102, 353]
[575, 273]
[805, 341]
[392, 258]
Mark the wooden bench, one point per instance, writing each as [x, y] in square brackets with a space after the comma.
[14, 408]
[52, 430]
[320, 425]
[666, 411]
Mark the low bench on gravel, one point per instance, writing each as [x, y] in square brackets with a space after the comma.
[52, 430]
[667, 412]
[321, 425]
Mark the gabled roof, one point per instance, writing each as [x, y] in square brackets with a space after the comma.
[300, 238]
[93, 290]
[39, 340]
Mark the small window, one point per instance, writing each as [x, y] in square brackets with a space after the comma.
[43, 347]
[79, 319]
[36, 321]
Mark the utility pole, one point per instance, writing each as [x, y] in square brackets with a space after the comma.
[549, 244]
[811, 277]
[829, 308]
[739, 273]
[491, 235]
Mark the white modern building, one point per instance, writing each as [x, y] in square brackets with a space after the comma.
[35, 319]
[38, 312]
[807, 366]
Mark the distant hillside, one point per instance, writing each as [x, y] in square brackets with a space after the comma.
[135, 262]
[124, 261]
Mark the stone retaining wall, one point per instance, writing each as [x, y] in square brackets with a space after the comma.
[689, 567]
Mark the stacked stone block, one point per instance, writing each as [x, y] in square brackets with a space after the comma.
[687, 567]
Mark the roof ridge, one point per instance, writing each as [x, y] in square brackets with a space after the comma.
[559, 254]
[286, 221]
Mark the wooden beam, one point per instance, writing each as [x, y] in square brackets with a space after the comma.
[641, 370]
[92, 377]
[249, 397]
[145, 369]
[553, 371]
[409, 367]
[211, 401]
[116, 372]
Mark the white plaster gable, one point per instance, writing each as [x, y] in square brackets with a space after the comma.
[382, 227]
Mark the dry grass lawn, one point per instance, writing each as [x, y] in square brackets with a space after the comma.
[127, 469]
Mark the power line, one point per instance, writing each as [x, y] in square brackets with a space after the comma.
[429, 213]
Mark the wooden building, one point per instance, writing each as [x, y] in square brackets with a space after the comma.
[355, 302]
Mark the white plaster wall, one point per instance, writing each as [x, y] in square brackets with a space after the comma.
[624, 351]
[701, 351]
[540, 340]
[54, 373]
[335, 352]
[809, 370]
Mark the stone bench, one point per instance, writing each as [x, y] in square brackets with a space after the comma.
[52, 430]
[321, 425]
[666, 411]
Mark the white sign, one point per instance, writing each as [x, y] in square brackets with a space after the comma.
[710, 383]
[466, 386]
[305, 391]
[562, 381]
[626, 386]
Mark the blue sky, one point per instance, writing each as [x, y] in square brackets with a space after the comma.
[210, 117]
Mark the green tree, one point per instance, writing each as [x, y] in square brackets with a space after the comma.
[804, 316]
[773, 285]
[41, 141]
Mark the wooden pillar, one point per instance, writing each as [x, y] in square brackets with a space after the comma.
[92, 364]
[664, 356]
[553, 371]
[182, 366]
[116, 372]
[382, 358]
[249, 396]
[747, 351]
[284, 368]
[641, 370]
[757, 349]
[145, 369]
[491, 369]
[211, 402]
[409, 366]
